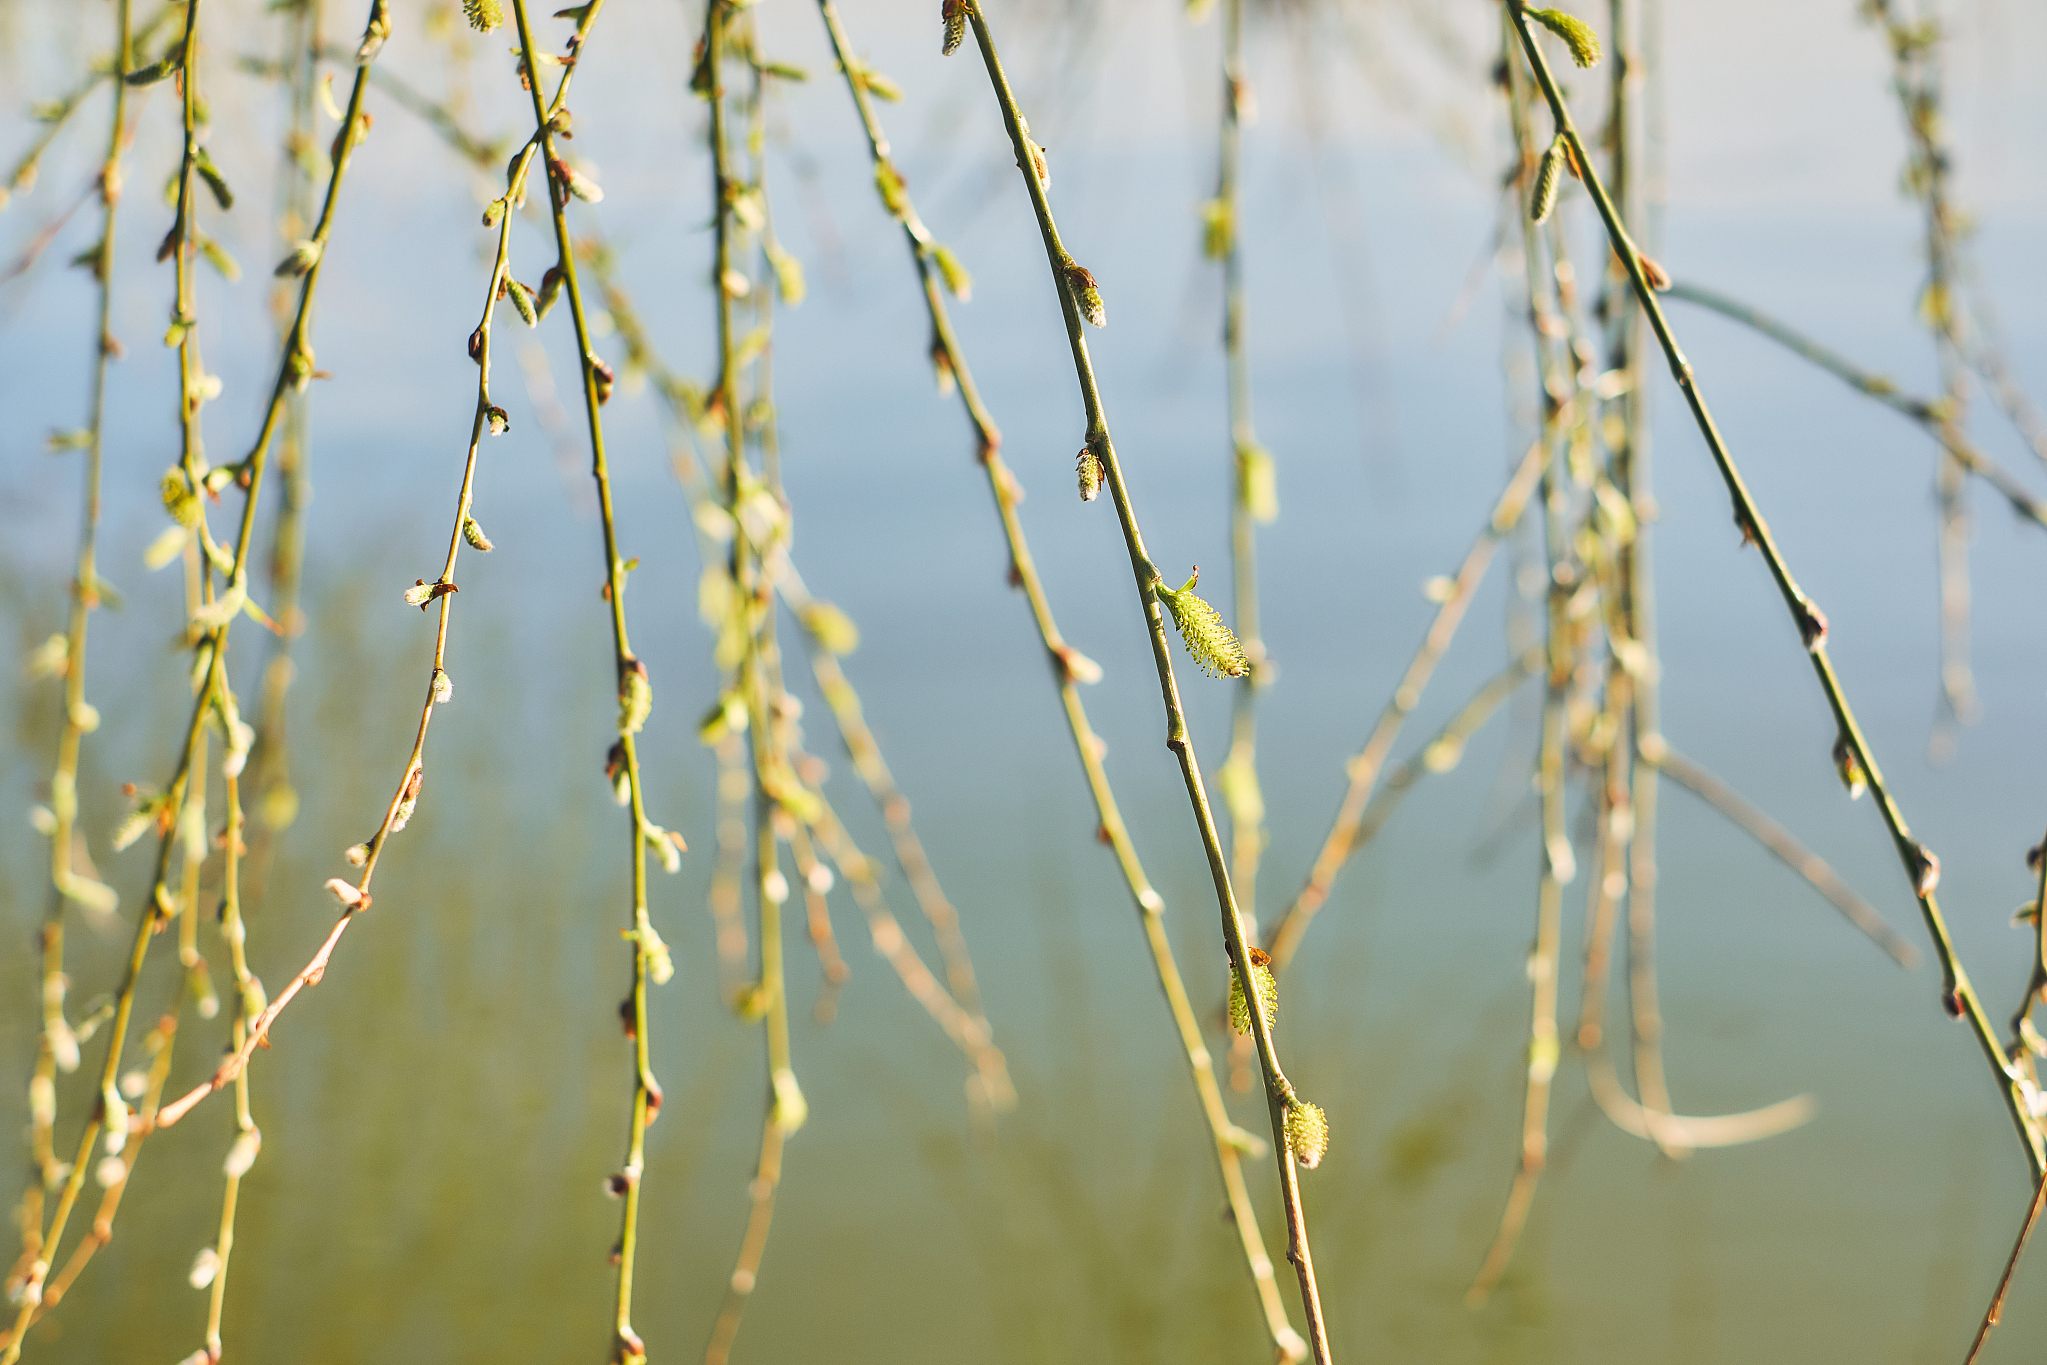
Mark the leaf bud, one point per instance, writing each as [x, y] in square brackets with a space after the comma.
[830, 627]
[304, 256]
[242, 1155]
[888, 183]
[1925, 869]
[957, 280]
[114, 1113]
[1812, 625]
[550, 290]
[1218, 228]
[1257, 483]
[1850, 768]
[789, 1109]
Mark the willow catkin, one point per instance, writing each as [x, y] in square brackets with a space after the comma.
[1268, 993]
[1211, 644]
[1576, 33]
[1548, 176]
[1307, 1132]
[1090, 471]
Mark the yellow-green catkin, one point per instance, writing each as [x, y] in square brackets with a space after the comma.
[179, 500]
[955, 13]
[1210, 643]
[635, 698]
[1307, 1132]
[483, 15]
[1090, 471]
[1576, 33]
[1268, 993]
[1548, 176]
[1087, 295]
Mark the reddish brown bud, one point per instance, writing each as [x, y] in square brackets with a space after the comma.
[1812, 626]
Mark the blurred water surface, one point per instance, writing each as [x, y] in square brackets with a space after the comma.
[440, 1114]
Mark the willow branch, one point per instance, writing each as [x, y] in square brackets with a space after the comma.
[57, 1044]
[1794, 855]
[1070, 280]
[757, 539]
[356, 897]
[1068, 669]
[55, 114]
[1284, 938]
[1932, 416]
[1958, 995]
[1254, 498]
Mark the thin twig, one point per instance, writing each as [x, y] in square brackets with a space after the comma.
[1283, 939]
[1072, 284]
[757, 540]
[1995, 1311]
[57, 1043]
[55, 114]
[1773, 836]
[398, 809]
[1068, 669]
[1931, 416]
[1254, 498]
[1958, 996]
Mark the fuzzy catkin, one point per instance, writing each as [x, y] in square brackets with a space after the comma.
[1211, 643]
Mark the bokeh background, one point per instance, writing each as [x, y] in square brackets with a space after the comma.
[440, 1114]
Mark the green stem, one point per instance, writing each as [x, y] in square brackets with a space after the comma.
[1250, 466]
[1279, 1091]
[21, 176]
[1284, 937]
[57, 1047]
[760, 679]
[1959, 997]
[1225, 1137]
[1931, 416]
[626, 1343]
[276, 801]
